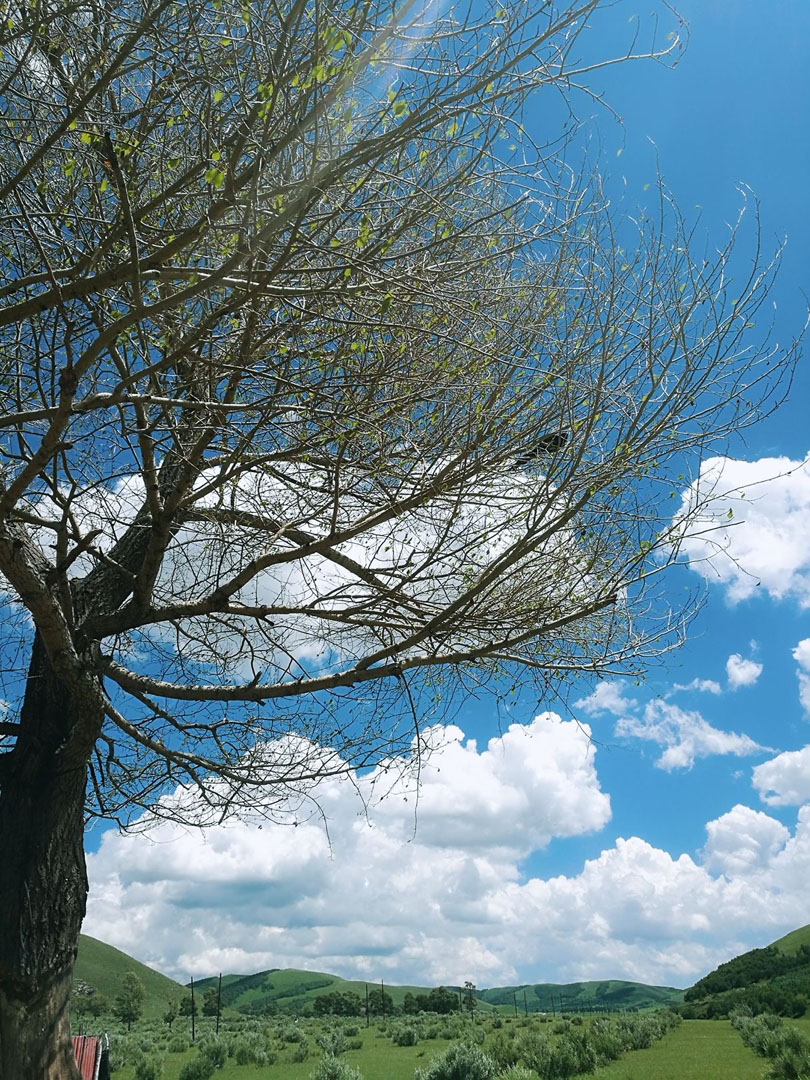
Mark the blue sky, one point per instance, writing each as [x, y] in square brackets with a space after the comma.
[654, 850]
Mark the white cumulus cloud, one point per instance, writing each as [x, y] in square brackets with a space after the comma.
[684, 734]
[359, 892]
[354, 888]
[754, 528]
[741, 672]
[785, 779]
[801, 654]
[702, 686]
[743, 839]
[607, 697]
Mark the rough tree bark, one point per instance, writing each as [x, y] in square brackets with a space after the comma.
[43, 885]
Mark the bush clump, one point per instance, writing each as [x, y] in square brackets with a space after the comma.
[405, 1036]
[149, 1068]
[333, 1043]
[332, 1068]
[459, 1062]
[300, 1052]
[199, 1068]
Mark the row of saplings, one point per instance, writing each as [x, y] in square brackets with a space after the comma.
[512, 1053]
[525, 1055]
[785, 1047]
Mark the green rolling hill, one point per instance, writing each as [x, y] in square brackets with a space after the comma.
[609, 995]
[289, 990]
[103, 967]
[774, 979]
[294, 991]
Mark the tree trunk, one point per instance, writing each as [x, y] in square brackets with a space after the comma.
[43, 881]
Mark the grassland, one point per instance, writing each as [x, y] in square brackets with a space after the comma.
[792, 942]
[697, 1050]
[379, 1059]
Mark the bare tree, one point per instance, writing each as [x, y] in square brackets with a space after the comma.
[324, 391]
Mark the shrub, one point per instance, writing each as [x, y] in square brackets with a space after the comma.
[534, 1050]
[459, 1062]
[332, 1068]
[149, 1068]
[333, 1043]
[606, 1042]
[300, 1052]
[250, 1050]
[405, 1036]
[503, 1051]
[215, 1051]
[177, 1045]
[199, 1068]
[572, 1055]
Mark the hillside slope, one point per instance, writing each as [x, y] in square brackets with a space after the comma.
[291, 990]
[610, 995]
[792, 942]
[773, 979]
[103, 967]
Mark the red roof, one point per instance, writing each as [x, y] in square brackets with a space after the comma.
[87, 1051]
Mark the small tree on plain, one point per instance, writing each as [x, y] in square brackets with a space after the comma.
[128, 1004]
[210, 999]
[317, 403]
[187, 1006]
[171, 1013]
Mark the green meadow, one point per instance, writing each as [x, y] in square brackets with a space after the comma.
[697, 1050]
[693, 1050]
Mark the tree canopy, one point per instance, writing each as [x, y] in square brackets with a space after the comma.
[324, 391]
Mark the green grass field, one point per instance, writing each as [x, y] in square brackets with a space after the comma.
[378, 1060]
[791, 942]
[697, 1050]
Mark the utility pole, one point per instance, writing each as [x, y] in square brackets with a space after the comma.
[382, 985]
[514, 1001]
[193, 1012]
[219, 1000]
[368, 1019]
[525, 1005]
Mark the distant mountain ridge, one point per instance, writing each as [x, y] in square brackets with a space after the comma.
[776, 978]
[289, 990]
[608, 994]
